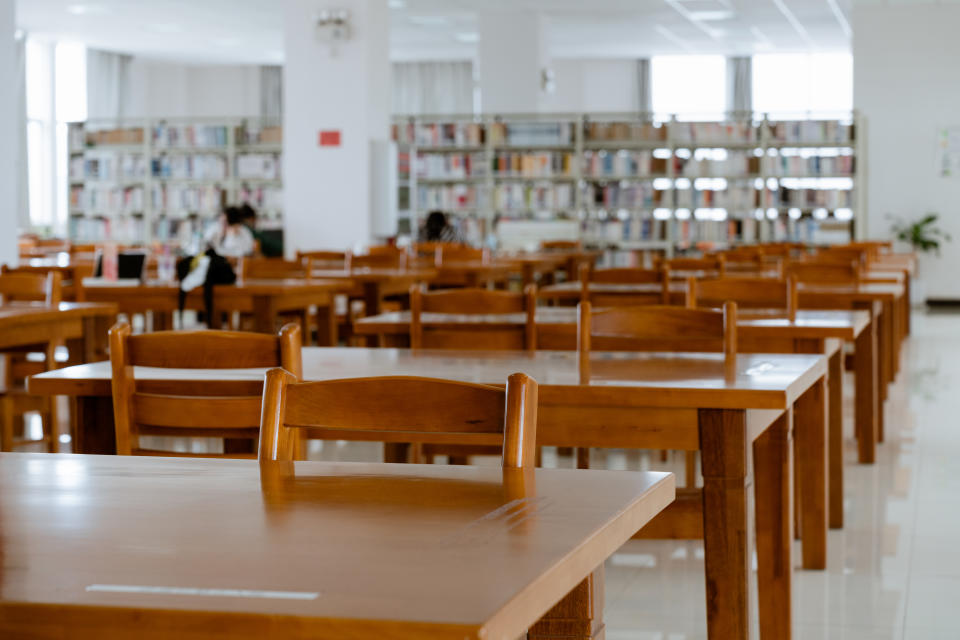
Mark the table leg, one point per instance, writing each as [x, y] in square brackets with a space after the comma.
[93, 420]
[725, 537]
[396, 451]
[264, 314]
[835, 440]
[579, 616]
[810, 422]
[529, 274]
[865, 394]
[774, 514]
[906, 304]
[371, 305]
[327, 334]
[885, 366]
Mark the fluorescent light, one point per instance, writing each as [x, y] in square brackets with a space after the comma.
[682, 214]
[795, 213]
[661, 214]
[843, 214]
[86, 9]
[772, 213]
[165, 27]
[707, 16]
[397, 4]
[468, 37]
[820, 213]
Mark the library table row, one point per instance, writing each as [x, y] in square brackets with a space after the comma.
[743, 423]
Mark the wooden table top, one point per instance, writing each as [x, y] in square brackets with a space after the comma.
[28, 312]
[242, 287]
[336, 550]
[846, 325]
[862, 291]
[761, 381]
[366, 274]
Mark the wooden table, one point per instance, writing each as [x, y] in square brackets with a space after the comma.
[631, 400]
[374, 285]
[82, 326]
[113, 547]
[540, 263]
[265, 300]
[570, 292]
[818, 332]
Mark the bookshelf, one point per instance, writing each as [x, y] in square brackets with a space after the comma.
[630, 181]
[164, 180]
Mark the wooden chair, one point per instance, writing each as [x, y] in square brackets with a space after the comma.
[710, 266]
[748, 293]
[324, 259]
[624, 275]
[841, 272]
[272, 269]
[656, 328]
[460, 253]
[192, 409]
[379, 258]
[561, 245]
[20, 363]
[472, 302]
[401, 409]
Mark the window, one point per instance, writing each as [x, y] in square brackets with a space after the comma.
[56, 94]
[693, 87]
[801, 84]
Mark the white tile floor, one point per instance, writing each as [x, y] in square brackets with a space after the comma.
[893, 571]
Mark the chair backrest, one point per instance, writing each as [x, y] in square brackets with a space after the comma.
[622, 275]
[379, 258]
[468, 302]
[22, 286]
[561, 245]
[839, 255]
[272, 269]
[706, 266]
[657, 328]
[446, 253]
[217, 409]
[748, 293]
[324, 259]
[825, 272]
[402, 409]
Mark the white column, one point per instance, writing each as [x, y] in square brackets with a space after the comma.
[9, 140]
[511, 56]
[346, 90]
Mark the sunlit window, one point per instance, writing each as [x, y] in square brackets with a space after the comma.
[693, 87]
[800, 84]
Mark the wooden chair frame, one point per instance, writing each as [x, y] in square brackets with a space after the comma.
[624, 275]
[401, 409]
[191, 409]
[747, 293]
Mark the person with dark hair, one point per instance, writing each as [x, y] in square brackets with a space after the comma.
[437, 228]
[230, 237]
[270, 247]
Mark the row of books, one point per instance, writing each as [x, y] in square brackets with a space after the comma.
[508, 163]
[615, 195]
[624, 132]
[260, 166]
[264, 199]
[451, 165]
[106, 200]
[635, 227]
[108, 166]
[533, 197]
[622, 163]
[811, 131]
[736, 198]
[183, 200]
[179, 136]
[781, 165]
[440, 134]
[531, 133]
[714, 132]
[808, 198]
[125, 230]
[737, 163]
[450, 197]
[253, 135]
[190, 167]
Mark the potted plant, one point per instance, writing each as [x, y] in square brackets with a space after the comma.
[925, 238]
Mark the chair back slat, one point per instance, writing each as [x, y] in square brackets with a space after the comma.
[624, 275]
[272, 269]
[192, 408]
[840, 272]
[400, 404]
[748, 293]
[30, 287]
[472, 302]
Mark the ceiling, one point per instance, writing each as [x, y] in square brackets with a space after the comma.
[251, 31]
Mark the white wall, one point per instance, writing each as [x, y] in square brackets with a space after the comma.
[907, 84]
[165, 89]
[9, 143]
[593, 85]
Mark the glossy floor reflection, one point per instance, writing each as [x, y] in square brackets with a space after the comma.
[893, 571]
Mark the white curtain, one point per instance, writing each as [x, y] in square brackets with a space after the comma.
[108, 85]
[644, 99]
[739, 84]
[271, 93]
[433, 88]
[23, 177]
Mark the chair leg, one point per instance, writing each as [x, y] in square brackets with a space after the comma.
[691, 469]
[6, 429]
[49, 418]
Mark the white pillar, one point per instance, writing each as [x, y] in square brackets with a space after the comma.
[511, 56]
[347, 90]
[9, 140]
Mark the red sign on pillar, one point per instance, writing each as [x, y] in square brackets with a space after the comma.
[330, 138]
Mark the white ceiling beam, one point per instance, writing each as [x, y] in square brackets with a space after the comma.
[792, 19]
[683, 11]
[841, 18]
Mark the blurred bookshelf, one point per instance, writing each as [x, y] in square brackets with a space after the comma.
[163, 180]
[632, 181]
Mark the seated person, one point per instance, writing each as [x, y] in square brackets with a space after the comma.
[230, 238]
[437, 228]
